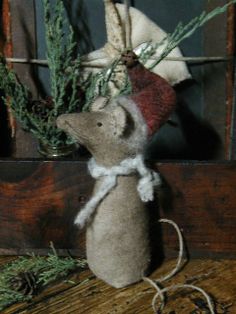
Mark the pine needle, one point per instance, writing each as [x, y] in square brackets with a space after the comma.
[98, 84]
[48, 269]
[180, 33]
[64, 78]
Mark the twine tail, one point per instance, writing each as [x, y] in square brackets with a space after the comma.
[161, 291]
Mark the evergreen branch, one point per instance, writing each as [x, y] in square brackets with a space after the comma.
[48, 269]
[64, 71]
[18, 97]
[181, 32]
[9, 297]
[98, 84]
[90, 86]
[16, 94]
[64, 77]
[126, 88]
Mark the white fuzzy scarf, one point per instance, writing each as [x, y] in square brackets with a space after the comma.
[149, 179]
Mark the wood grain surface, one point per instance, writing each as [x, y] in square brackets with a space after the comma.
[89, 295]
[201, 199]
[40, 199]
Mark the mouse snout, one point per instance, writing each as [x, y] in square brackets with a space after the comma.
[61, 121]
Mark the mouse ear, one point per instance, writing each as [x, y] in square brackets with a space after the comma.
[119, 117]
[99, 104]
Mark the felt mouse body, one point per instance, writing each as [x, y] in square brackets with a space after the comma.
[117, 236]
[118, 249]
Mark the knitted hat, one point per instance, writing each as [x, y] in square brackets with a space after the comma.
[153, 95]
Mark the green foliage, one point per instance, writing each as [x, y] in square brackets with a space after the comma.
[18, 97]
[64, 72]
[13, 88]
[64, 68]
[48, 269]
[98, 84]
[126, 88]
[8, 297]
[181, 32]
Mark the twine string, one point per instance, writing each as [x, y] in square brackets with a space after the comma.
[181, 251]
[162, 291]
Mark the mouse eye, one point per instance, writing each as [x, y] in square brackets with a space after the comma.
[99, 124]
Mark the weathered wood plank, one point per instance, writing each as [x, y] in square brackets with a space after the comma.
[39, 200]
[201, 199]
[95, 297]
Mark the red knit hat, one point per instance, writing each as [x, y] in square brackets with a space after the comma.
[153, 95]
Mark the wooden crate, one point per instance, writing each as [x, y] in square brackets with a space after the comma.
[39, 201]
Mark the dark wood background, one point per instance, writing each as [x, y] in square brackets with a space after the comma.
[40, 199]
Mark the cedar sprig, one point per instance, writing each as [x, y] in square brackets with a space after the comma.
[19, 93]
[98, 84]
[9, 297]
[59, 267]
[18, 98]
[64, 78]
[180, 33]
[126, 87]
[64, 69]
[47, 270]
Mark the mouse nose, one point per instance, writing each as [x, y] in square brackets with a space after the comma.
[61, 121]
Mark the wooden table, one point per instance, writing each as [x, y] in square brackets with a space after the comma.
[91, 296]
